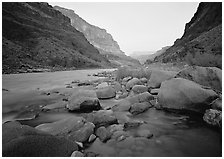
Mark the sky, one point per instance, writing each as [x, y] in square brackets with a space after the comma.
[137, 26]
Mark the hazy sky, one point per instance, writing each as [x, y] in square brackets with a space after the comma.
[145, 26]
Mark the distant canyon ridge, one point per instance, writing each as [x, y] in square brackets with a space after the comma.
[39, 37]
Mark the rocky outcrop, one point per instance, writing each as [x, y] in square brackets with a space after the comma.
[201, 43]
[37, 36]
[24, 141]
[182, 94]
[99, 38]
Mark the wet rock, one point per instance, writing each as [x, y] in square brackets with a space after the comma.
[57, 105]
[69, 86]
[138, 108]
[92, 138]
[132, 82]
[120, 135]
[123, 105]
[85, 83]
[102, 85]
[217, 104]
[213, 117]
[115, 127]
[132, 124]
[144, 133]
[158, 76]
[106, 92]
[139, 89]
[77, 154]
[83, 134]
[144, 80]
[24, 141]
[154, 91]
[206, 76]
[102, 133]
[83, 100]
[183, 94]
[74, 128]
[102, 118]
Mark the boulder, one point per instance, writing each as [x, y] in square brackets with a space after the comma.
[182, 94]
[132, 82]
[213, 117]
[102, 133]
[144, 80]
[24, 141]
[158, 76]
[133, 123]
[115, 127]
[138, 108]
[106, 92]
[77, 154]
[83, 100]
[217, 104]
[102, 85]
[117, 86]
[154, 91]
[139, 89]
[102, 118]
[206, 76]
[120, 135]
[73, 128]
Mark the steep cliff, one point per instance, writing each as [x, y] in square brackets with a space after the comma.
[35, 35]
[99, 38]
[201, 43]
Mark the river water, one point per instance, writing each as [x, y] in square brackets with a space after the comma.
[174, 134]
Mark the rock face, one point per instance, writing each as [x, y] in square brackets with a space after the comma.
[75, 129]
[201, 43]
[21, 141]
[183, 94]
[213, 117]
[106, 92]
[99, 38]
[158, 76]
[36, 35]
[206, 76]
[83, 100]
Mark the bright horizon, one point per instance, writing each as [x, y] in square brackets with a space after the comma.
[137, 26]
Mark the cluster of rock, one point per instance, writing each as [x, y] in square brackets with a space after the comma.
[95, 124]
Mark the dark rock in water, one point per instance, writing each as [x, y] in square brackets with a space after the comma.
[106, 92]
[144, 133]
[213, 117]
[158, 76]
[102, 118]
[132, 82]
[217, 104]
[206, 76]
[138, 108]
[73, 128]
[139, 89]
[83, 100]
[133, 124]
[102, 133]
[182, 94]
[85, 83]
[24, 141]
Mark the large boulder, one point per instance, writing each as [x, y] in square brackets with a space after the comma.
[102, 118]
[158, 76]
[73, 128]
[139, 89]
[206, 76]
[213, 117]
[182, 94]
[24, 141]
[106, 92]
[102, 85]
[83, 100]
[132, 82]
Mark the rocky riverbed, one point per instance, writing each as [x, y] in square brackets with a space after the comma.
[92, 113]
